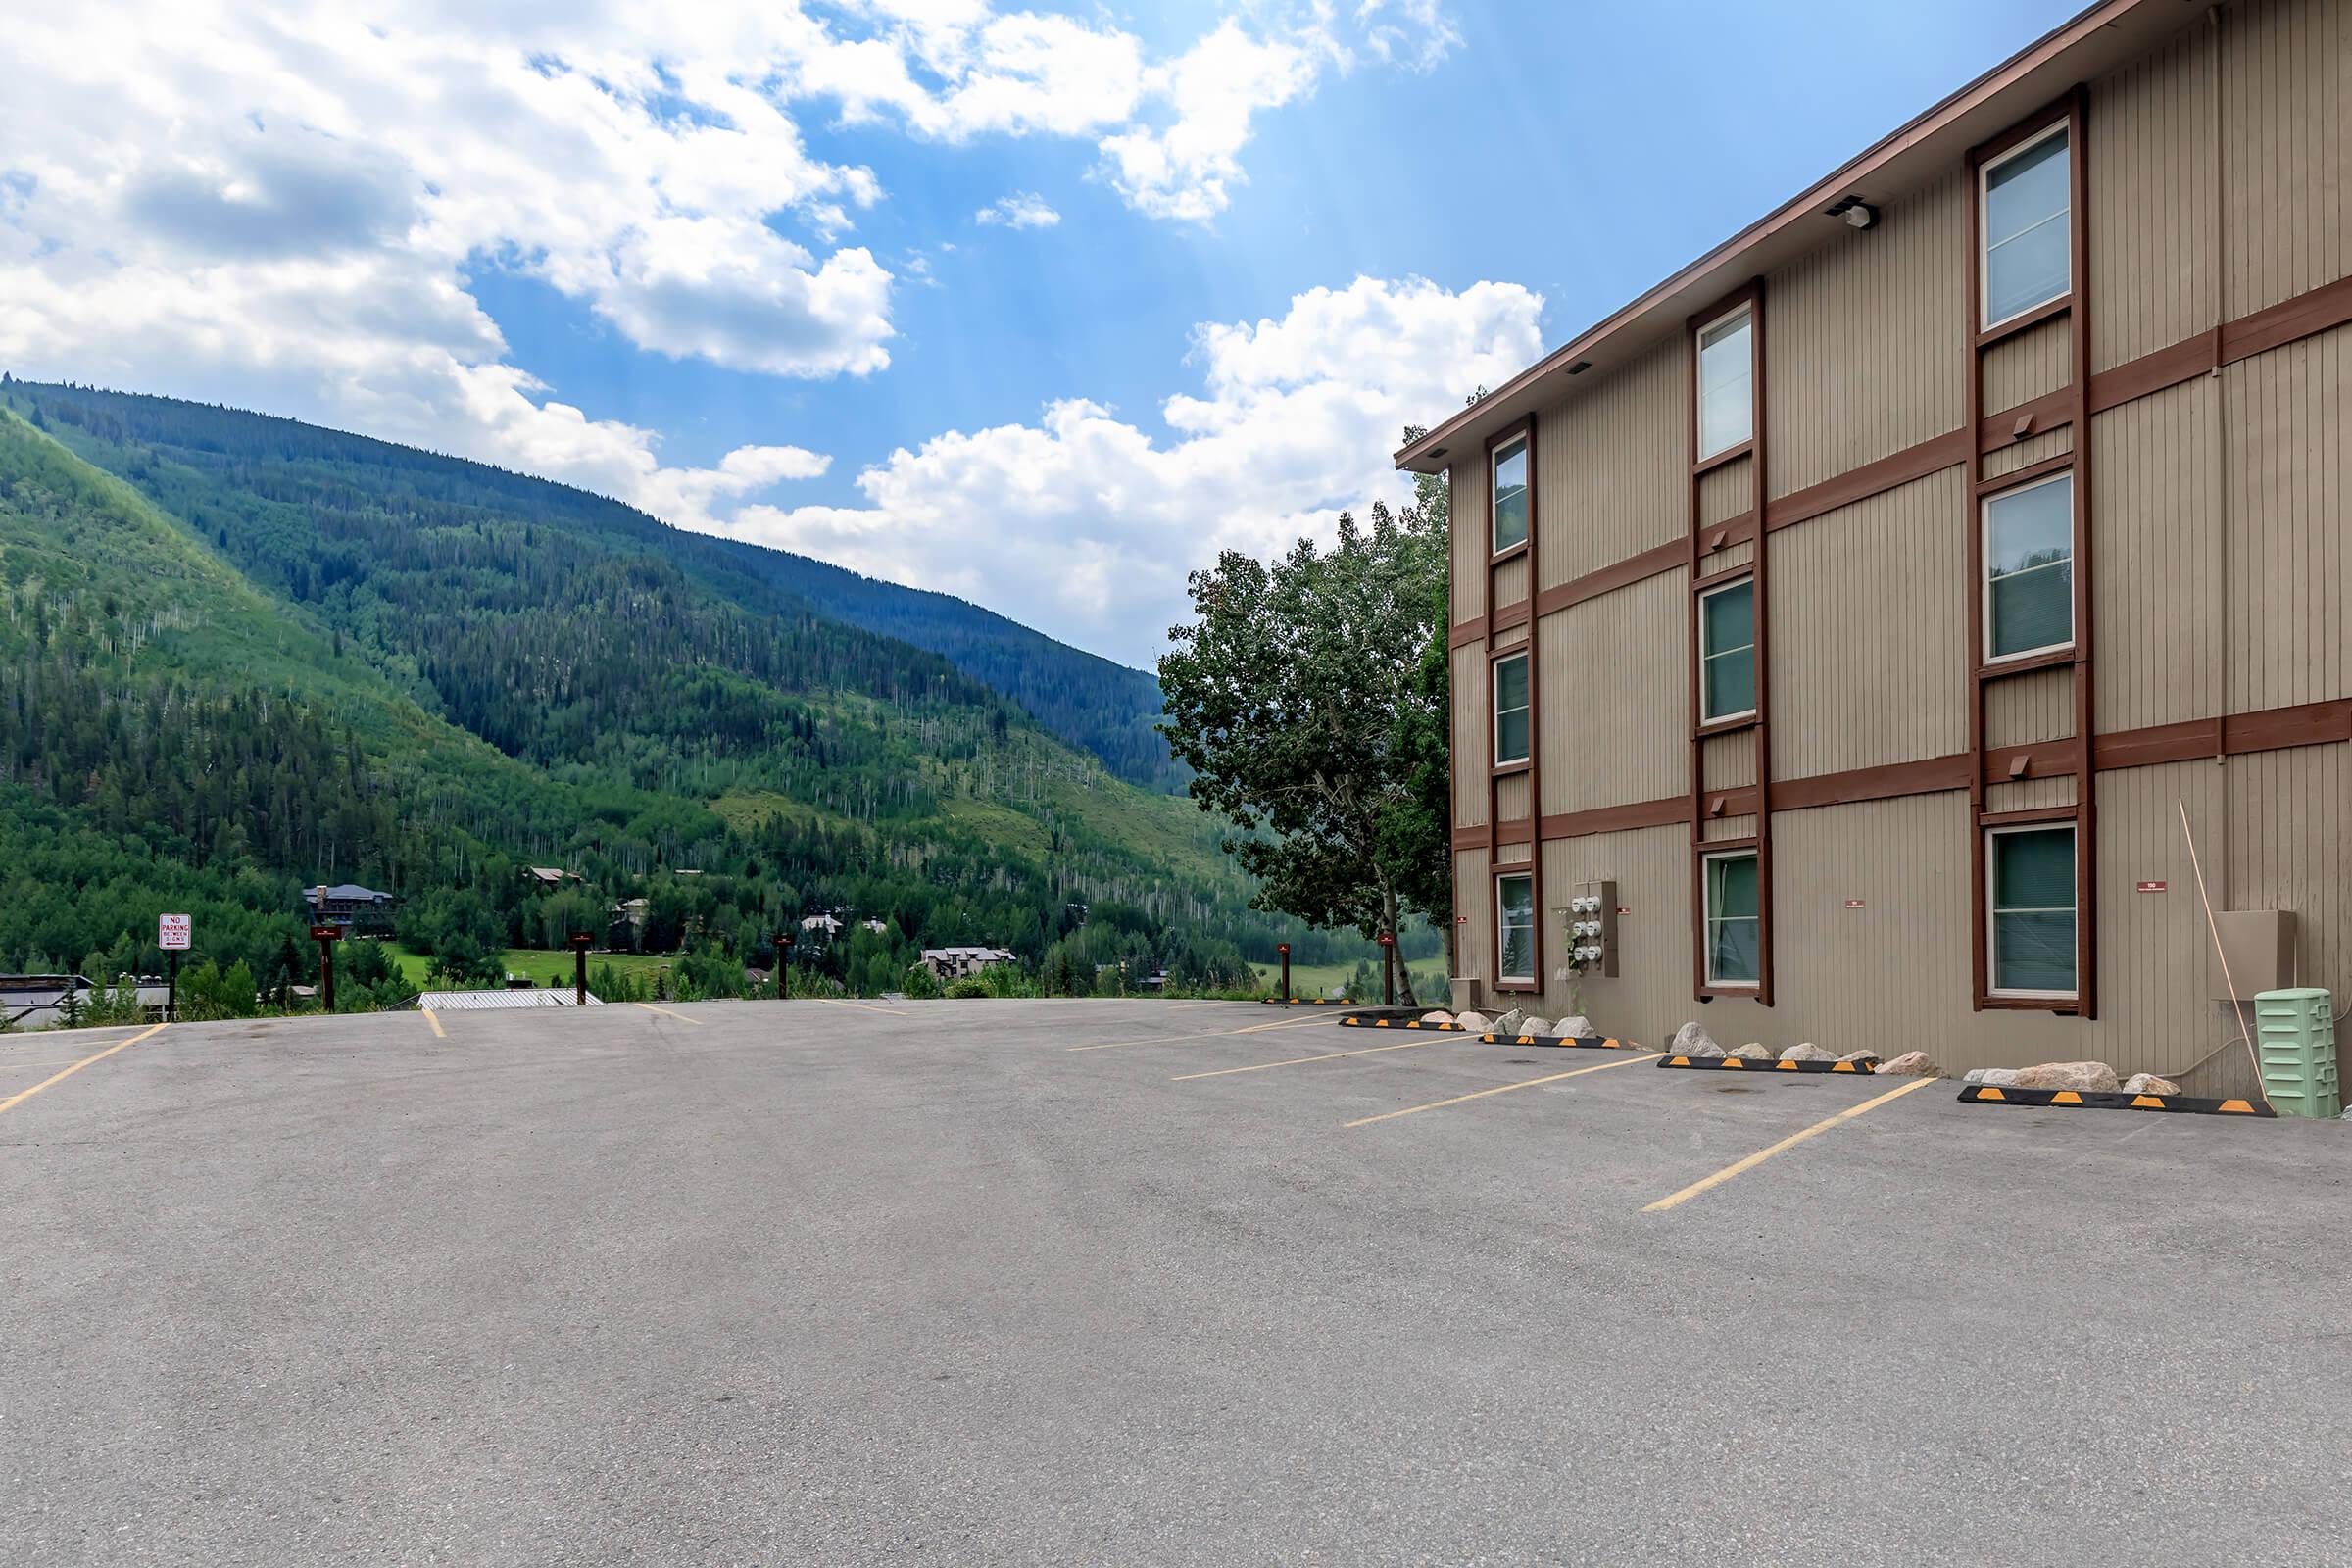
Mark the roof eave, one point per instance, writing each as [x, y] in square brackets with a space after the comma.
[2053, 55]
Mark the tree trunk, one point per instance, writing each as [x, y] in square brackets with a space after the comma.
[1404, 972]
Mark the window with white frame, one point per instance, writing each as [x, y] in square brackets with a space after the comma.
[1735, 921]
[1727, 652]
[2031, 910]
[1510, 494]
[2026, 197]
[2030, 569]
[1727, 405]
[1510, 711]
[1515, 926]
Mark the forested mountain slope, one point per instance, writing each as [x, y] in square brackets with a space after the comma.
[324, 517]
[424, 691]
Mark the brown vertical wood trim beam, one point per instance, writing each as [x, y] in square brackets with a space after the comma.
[2087, 837]
[1525, 429]
[1749, 295]
[1697, 751]
[2076, 398]
[1758, 601]
[1974, 466]
[1454, 761]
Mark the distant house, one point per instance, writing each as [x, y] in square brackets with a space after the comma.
[361, 911]
[829, 925]
[953, 963]
[38, 1001]
[549, 876]
[877, 927]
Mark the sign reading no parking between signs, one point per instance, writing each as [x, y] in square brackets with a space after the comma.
[172, 933]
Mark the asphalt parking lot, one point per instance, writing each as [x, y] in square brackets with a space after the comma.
[1002, 1281]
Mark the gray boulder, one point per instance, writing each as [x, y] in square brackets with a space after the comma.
[2092, 1075]
[1808, 1051]
[1510, 1022]
[1910, 1064]
[1541, 1028]
[1754, 1050]
[1997, 1077]
[1576, 1026]
[2148, 1083]
[1437, 1017]
[1476, 1022]
[1693, 1041]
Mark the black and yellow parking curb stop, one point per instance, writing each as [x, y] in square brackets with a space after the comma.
[2110, 1099]
[1305, 1001]
[1368, 1021]
[1867, 1066]
[1564, 1041]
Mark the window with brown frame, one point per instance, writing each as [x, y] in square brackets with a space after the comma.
[2026, 195]
[1510, 505]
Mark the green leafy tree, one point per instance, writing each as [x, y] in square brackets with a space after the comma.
[1286, 698]
[1416, 829]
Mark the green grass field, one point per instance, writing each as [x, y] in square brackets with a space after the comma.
[1326, 979]
[547, 967]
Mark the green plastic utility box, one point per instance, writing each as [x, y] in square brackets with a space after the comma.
[2296, 1034]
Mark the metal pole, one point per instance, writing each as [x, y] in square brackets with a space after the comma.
[579, 971]
[172, 994]
[326, 971]
[784, 941]
[1284, 950]
[1388, 971]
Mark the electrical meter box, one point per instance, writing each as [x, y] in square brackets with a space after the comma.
[1591, 922]
[2295, 1038]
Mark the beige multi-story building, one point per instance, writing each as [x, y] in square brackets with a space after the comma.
[1786, 598]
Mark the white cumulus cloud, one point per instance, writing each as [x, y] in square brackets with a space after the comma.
[1020, 210]
[1084, 523]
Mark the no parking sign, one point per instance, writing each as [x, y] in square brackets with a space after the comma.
[172, 932]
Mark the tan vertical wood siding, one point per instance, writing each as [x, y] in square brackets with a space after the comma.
[1651, 867]
[1838, 398]
[1729, 557]
[1474, 896]
[2024, 709]
[1510, 582]
[1867, 631]
[2286, 140]
[2030, 793]
[1473, 746]
[2287, 424]
[1729, 760]
[1616, 698]
[2155, 253]
[1473, 537]
[2032, 449]
[2156, 596]
[2017, 370]
[1723, 493]
[2288, 845]
[1511, 798]
[1611, 470]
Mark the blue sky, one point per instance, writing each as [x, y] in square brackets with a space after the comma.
[730, 269]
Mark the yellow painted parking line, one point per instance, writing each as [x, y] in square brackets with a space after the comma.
[1296, 1062]
[29, 1066]
[1789, 1142]
[438, 1032]
[1208, 1034]
[23, 1094]
[666, 1013]
[863, 1006]
[1504, 1088]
